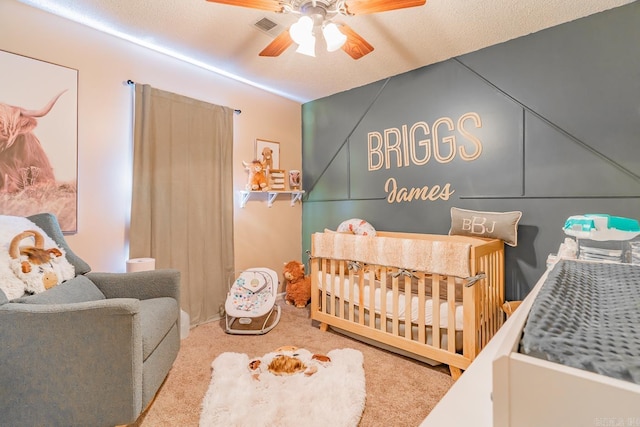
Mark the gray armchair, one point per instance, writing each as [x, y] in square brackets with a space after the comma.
[92, 351]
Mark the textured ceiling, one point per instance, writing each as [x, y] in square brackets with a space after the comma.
[224, 38]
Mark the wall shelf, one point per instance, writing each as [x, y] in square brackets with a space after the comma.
[271, 196]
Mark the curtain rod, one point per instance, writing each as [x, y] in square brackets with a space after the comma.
[131, 82]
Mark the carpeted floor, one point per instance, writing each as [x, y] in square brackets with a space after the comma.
[400, 391]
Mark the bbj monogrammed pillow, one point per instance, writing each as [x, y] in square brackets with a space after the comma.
[497, 225]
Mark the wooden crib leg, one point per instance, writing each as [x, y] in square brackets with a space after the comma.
[455, 372]
[324, 327]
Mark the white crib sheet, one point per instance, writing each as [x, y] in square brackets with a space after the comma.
[428, 305]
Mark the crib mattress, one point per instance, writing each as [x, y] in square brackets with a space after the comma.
[349, 292]
[586, 316]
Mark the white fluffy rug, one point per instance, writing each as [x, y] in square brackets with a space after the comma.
[333, 396]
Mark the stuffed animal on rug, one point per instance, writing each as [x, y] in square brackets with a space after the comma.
[257, 176]
[40, 269]
[298, 288]
[267, 158]
[288, 360]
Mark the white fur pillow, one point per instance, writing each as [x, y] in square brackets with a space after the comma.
[12, 285]
[356, 226]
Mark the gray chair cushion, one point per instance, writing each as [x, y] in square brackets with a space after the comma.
[78, 289]
[49, 224]
[157, 316]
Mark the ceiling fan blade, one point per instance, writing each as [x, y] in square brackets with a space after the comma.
[362, 7]
[278, 45]
[355, 46]
[270, 5]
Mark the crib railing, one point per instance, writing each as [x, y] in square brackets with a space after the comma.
[344, 295]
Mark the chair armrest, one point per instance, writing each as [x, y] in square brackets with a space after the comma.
[139, 284]
[82, 358]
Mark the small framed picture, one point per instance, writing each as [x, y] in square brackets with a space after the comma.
[268, 152]
[294, 179]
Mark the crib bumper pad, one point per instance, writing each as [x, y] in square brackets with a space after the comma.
[438, 257]
[586, 317]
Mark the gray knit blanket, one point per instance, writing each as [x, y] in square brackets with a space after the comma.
[587, 315]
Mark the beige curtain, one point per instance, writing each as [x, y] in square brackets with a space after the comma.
[182, 206]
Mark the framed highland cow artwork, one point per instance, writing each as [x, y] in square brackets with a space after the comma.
[38, 139]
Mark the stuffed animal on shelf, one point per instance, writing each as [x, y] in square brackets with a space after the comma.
[40, 269]
[257, 176]
[298, 289]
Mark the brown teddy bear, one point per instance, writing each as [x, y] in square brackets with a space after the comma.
[298, 289]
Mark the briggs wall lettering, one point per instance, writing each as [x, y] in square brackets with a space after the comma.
[409, 146]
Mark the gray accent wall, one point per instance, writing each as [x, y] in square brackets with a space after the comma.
[547, 124]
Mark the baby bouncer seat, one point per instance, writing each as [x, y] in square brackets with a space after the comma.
[251, 302]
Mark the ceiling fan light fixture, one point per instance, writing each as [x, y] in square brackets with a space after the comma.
[333, 36]
[301, 30]
[308, 46]
[320, 13]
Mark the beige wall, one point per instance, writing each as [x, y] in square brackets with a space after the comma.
[263, 236]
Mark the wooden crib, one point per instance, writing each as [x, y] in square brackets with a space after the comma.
[381, 290]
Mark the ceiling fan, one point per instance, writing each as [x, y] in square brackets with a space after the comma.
[318, 15]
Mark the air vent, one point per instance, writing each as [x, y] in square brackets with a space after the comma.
[266, 25]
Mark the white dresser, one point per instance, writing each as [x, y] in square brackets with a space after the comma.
[504, 388]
